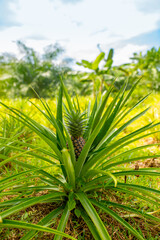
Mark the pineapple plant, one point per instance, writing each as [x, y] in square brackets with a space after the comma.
[87, 168]
[76, 124]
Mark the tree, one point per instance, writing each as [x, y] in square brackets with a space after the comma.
[34, 70]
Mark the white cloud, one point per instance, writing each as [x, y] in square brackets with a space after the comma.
[122, 55]
[148, 6]
[70, 1]
[7, 16]
[74, 24]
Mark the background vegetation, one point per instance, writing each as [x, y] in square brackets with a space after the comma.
[42, 72]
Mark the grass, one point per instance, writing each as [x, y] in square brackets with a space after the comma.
[149, 230]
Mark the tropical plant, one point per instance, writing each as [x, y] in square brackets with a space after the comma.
[148, 65]
[40, 71]
[98, 76]
[81, 179]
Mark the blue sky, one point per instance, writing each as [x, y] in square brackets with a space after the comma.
[79, 25]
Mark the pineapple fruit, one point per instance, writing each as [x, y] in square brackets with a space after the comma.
[76, 123]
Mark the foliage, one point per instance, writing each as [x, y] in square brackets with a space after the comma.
[11, 130]
[148, 65]
[42, 71]
[6, 63]
[145, 65]
[99, 166]
[33, 70]
[97, 76]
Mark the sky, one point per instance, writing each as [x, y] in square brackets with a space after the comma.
[79, 26]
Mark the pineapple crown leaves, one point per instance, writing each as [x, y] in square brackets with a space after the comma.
[75, 122]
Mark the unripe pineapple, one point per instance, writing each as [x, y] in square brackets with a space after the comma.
[76, 122]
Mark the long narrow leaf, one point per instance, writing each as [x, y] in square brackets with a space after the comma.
[63, 222]
[44, 222]
[17, 224]
[29, 203]
[130, 209]
[102, 231]
[90, 225]
[119, 219]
